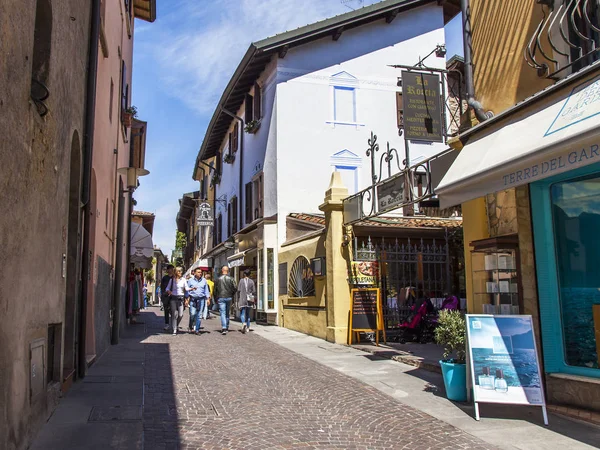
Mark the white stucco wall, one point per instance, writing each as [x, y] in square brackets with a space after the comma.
[297, 138]
[306, 138]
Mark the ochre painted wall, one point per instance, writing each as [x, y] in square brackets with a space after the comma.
[502, 78]
[311, 321]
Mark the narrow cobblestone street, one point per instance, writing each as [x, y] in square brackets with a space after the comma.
[242, 391]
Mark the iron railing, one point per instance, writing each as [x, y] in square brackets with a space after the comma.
[567, 37]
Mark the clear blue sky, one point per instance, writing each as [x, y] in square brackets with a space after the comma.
[182, 63]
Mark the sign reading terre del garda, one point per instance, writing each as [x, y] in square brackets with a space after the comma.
[422, 106]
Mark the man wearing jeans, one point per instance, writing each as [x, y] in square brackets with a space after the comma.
[225, 289]
[199, 296]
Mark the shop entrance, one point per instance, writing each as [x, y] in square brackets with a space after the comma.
[409, 271]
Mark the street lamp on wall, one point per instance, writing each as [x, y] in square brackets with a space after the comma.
[131, 174]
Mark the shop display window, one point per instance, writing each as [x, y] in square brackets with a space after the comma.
[576, 221]
[496, 275]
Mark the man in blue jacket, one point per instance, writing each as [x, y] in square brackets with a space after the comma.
[199, 295]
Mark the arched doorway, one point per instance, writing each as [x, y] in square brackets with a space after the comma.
[74, 236]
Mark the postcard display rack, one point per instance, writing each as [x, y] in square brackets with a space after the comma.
[496, 275]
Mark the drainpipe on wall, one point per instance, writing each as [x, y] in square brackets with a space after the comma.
[476, 106]
[90, 118]
[241, 183]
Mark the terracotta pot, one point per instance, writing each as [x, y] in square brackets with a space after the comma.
[127, 119]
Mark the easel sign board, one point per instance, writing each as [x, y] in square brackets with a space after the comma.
[504, 361]
[365, 312]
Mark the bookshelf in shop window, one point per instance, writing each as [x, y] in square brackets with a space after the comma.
[497, 275]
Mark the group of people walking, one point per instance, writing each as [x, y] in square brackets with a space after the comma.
[198, 293]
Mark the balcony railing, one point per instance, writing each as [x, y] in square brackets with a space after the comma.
[566, 39]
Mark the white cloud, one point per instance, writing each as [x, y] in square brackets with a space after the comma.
[198, 44]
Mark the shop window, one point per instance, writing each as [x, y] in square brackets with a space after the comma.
[576, 220]
[270, 278]
[301, 282]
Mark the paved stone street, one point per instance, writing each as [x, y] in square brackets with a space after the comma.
[276, 389]
[242, 391]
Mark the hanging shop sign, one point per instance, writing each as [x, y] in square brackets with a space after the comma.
[392, 193]
[365, 273]
[422, 103]
[504, 361]
[205, 215]
[365, 313]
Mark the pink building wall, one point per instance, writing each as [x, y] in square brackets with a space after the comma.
[111, 151]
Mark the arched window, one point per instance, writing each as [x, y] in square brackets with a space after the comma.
[42, 43]
[301, 282]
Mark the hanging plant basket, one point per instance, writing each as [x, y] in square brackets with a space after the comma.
[128, 115]
[252, 126]
[216, 179]
[127, 119]
[229, 158]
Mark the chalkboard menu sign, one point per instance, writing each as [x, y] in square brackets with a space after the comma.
[365, 312]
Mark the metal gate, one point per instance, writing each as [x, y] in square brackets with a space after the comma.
[410, 269]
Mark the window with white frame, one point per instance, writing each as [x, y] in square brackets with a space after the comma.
[344, 98]
[344, 104]
[348, 164]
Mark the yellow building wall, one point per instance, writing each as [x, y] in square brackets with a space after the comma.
[502, 78]
[308, 314]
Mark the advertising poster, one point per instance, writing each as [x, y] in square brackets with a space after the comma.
[365, 273]
[504, 360]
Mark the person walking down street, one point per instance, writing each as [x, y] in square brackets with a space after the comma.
[225, 289]
[177, 289]
[199, 297]
[247, 299]
[166, 301]
[211, 286]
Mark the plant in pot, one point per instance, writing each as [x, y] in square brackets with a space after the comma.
[216, 179]
[451, 333]
[229, 158]
[128, 116]
[252, 126]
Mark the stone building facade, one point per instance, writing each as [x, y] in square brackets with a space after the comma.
[43, 74]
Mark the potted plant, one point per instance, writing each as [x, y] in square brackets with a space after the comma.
[252, 126]
[128, 116]
[216, 179]
[229, 158]
[451, 334]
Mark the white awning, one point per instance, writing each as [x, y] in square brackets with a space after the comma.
[198, 263]
[555, 139]
[142, 247]
[239, 259]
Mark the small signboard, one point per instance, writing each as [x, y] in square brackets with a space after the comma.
[205, 215]
[365, 273]
[422, 106]
[504, 361]
[391, 194]
[365, 313]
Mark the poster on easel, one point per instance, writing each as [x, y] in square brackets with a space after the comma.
[504, 361]
[365, 313]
